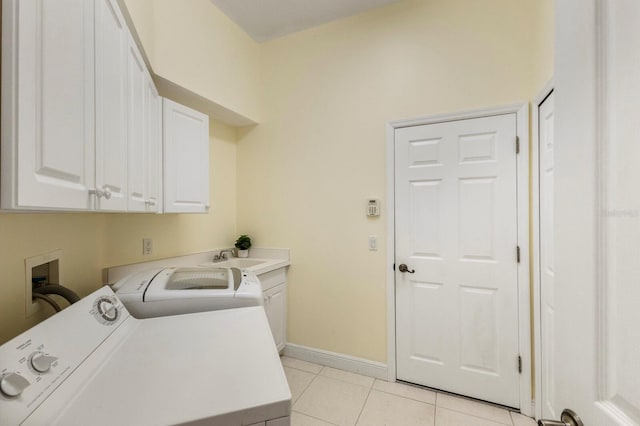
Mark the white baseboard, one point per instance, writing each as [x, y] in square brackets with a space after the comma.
[336, 360]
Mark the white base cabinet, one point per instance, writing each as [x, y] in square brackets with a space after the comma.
[274, 285]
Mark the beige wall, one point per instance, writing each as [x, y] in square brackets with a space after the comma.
[80, 237]
[544, 35]
[323, 96]
[91, 241]
[305, 172]
[194, 45]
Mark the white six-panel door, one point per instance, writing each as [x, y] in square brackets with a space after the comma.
[547, 304]
[456, 227]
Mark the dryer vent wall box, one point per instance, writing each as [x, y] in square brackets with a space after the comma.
[373, 207]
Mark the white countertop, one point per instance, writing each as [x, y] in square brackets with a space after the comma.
[274, 258]
[265, 265]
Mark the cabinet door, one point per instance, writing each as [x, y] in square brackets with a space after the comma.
[111, 105]
[153, 158]
[47, 104]
[186, 159]
[136, 124]
[276, 309]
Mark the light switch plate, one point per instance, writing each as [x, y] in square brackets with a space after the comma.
[373, 242]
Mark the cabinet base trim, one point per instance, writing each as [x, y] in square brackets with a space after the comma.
[337, 360]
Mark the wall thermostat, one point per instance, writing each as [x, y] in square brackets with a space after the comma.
[373, 207]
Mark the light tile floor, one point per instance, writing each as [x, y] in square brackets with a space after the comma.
[324, 396]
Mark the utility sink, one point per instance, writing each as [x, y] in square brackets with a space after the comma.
[239, 263]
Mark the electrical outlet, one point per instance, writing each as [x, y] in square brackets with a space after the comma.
[147, 246]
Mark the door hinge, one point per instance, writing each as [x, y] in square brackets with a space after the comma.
[394, 266]
[517, 144]
[518, 253]
[519, 364]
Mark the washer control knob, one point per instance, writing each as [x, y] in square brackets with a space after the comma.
[106, 309]
[41, 362]
[12, 384]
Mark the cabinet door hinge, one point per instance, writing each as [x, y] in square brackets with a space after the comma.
[517, 144]
[519, 364]
[394, 266]
[518, 253]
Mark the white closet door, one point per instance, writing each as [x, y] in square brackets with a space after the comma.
[547, 314]
[48, 104]
[597, 211]
[456, 229]
[111, 106]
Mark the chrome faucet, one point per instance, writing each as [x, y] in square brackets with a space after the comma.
[223, 255]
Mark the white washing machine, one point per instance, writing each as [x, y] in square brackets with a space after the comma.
[94, 364]
[181, 290]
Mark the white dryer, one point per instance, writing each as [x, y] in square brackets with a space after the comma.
[181, 290]
[94, 364]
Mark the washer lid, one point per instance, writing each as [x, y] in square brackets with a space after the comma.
[193, 282]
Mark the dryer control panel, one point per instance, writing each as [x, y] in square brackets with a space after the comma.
[34, 364]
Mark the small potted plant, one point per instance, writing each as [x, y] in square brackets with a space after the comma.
[243, 243]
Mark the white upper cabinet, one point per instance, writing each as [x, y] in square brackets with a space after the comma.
[186, 159]
[82, 121]
[111, 49]
[47, 104]
[153, 148]
[136, 97]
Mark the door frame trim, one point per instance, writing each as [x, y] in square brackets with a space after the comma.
[536, 284]
[524, 296]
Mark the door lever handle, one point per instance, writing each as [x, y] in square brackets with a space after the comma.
[405, 268]
[568, 418]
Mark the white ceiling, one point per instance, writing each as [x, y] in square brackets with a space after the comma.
[268, 19]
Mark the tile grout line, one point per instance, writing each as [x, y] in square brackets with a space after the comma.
[300, 369]
[363, 405]
[435, 414]
[403, 396]
[317, 418]
[478, 417]
[347, 382]
[475, 415]
[305, 389]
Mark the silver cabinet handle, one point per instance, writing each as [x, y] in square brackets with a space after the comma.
[104, 192]
[107, 192]
[97, 192]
